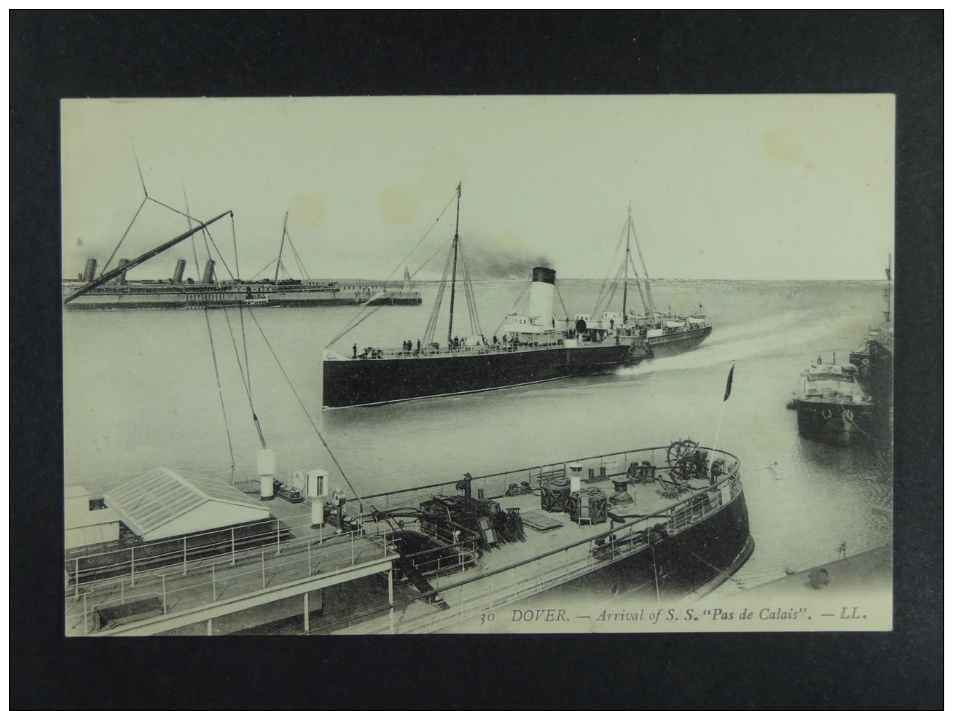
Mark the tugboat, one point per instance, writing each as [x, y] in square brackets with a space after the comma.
[532, 350]
[832, 406]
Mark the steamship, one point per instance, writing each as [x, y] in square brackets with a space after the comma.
[532, 350]
[112, 290]
[178, 293]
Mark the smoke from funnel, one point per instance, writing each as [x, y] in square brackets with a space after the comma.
[485, 262]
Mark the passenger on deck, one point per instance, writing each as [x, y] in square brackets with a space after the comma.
[355, 351]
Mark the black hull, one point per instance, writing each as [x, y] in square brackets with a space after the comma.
[835, 423]
[352, 382]
[698, 559]
[676, 343]
[874, 365]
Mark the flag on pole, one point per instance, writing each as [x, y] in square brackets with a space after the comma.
[731, 374]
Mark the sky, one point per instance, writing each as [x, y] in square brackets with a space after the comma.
[720, 187]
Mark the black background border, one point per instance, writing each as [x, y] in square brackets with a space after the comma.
[56, 55]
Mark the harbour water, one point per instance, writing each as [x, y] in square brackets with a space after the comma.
[143, 389]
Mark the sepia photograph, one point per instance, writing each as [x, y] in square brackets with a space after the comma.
[405, 365]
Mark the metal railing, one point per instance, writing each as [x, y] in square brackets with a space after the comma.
[216, 578]
[114, 559]
[496, 485]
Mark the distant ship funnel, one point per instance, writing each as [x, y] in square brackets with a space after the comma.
[90, 273]
[121, 279]
[541, 296]
[179, 271]
[209, 272]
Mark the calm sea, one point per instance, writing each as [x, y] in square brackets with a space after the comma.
[143, 390]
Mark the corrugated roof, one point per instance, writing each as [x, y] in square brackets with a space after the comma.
[162, 495]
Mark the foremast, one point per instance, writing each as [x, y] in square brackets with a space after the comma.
[450, 271]
[281, 247]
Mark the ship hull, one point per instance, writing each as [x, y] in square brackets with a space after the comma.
[353, 382]
[698, 559]
[834, 423]
[874, 365]
[194, 296]
[676, 343]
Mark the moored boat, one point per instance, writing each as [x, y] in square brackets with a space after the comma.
[113, 291]
[831, 404]
[157, 294]
[874, 358]
[659, 522]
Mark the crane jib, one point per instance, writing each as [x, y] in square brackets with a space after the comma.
[102, 279]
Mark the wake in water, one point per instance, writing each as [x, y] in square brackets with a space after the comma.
[790, 333]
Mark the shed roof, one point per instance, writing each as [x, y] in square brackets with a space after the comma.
[160, 496]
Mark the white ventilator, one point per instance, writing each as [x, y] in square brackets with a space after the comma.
[267, 466]
[316, 491]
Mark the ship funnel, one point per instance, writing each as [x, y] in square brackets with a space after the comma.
[541, 296]
[179, 271]
[90, 273]
[209, 272]
[121, 279]
[267, 465]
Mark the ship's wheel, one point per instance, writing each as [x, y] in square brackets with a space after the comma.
[683, 460]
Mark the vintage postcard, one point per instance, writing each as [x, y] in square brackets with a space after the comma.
[478, 364]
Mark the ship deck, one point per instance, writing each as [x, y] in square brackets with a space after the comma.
[564, 551]
[209, 589]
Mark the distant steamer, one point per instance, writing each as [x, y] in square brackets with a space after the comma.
[111, 290]
[176, 293]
